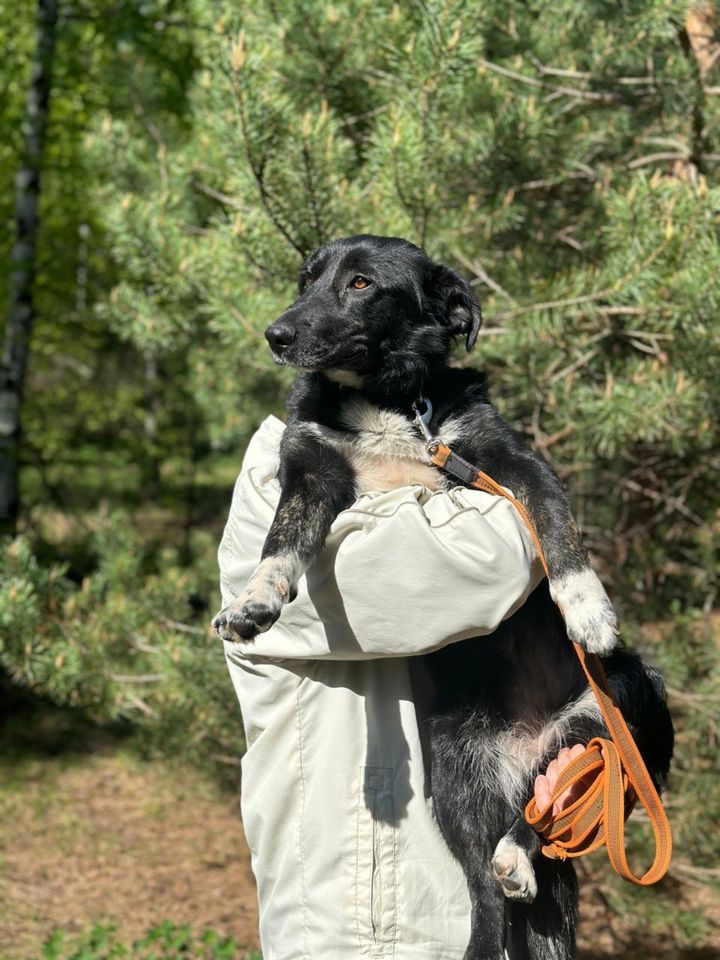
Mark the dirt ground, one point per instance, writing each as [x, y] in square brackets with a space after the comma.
[106, 837]
[110, 839]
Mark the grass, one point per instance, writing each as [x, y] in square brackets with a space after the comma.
[165, 941]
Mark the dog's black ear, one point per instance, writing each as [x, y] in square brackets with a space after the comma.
[457, 303]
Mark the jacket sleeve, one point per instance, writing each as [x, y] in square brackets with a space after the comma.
[402, 573]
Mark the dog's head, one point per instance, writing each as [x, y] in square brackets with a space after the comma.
[368, 305]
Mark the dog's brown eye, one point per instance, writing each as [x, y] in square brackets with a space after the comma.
[359, 282]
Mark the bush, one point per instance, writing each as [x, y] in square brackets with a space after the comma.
[126, 642]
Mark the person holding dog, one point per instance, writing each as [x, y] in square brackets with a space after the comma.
[336, 804]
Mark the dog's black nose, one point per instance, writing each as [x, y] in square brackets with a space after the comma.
[280, 335]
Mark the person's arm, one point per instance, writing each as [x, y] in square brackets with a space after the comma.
[402, 573]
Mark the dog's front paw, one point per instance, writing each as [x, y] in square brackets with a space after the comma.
[258, 606]
[243, 620]
[513, 871]
[589, 615]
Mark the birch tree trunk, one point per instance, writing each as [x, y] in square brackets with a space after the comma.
[22, 267]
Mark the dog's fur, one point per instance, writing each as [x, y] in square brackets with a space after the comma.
[371, 331]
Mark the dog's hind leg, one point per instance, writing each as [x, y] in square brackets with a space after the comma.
[487, 938]
[512, 862]
[469, 780]
[545, 928]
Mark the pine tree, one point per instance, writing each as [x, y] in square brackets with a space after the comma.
[508, 144]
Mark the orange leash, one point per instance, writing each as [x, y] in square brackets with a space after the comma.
[613, 772]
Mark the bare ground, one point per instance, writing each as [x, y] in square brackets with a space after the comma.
[106, 837]
[109, 839]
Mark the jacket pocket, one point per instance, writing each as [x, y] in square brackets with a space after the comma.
[375, 892]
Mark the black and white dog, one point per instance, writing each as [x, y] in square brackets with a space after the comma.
[370, 331]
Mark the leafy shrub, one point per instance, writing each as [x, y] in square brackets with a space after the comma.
[125, 643]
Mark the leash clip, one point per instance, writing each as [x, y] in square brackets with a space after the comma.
[423, 415]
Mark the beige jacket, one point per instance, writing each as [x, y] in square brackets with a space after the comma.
[348, 859]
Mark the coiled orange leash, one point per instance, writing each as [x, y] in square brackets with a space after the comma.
[613, 773]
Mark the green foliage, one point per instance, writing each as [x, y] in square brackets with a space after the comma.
[166, 941]
[687, 652]
[85, 384]
[123, 644]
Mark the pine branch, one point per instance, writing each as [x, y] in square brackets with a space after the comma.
[214, 194]
[257, 167]
[482, 276]
[554, 92]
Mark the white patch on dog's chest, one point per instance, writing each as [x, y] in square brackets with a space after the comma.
[384, 449]
[382, 432]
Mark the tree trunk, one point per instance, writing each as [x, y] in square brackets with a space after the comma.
[22, 269]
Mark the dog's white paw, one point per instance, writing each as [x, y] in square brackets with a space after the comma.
[513, 871]
[259, 605]
[589, 615]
